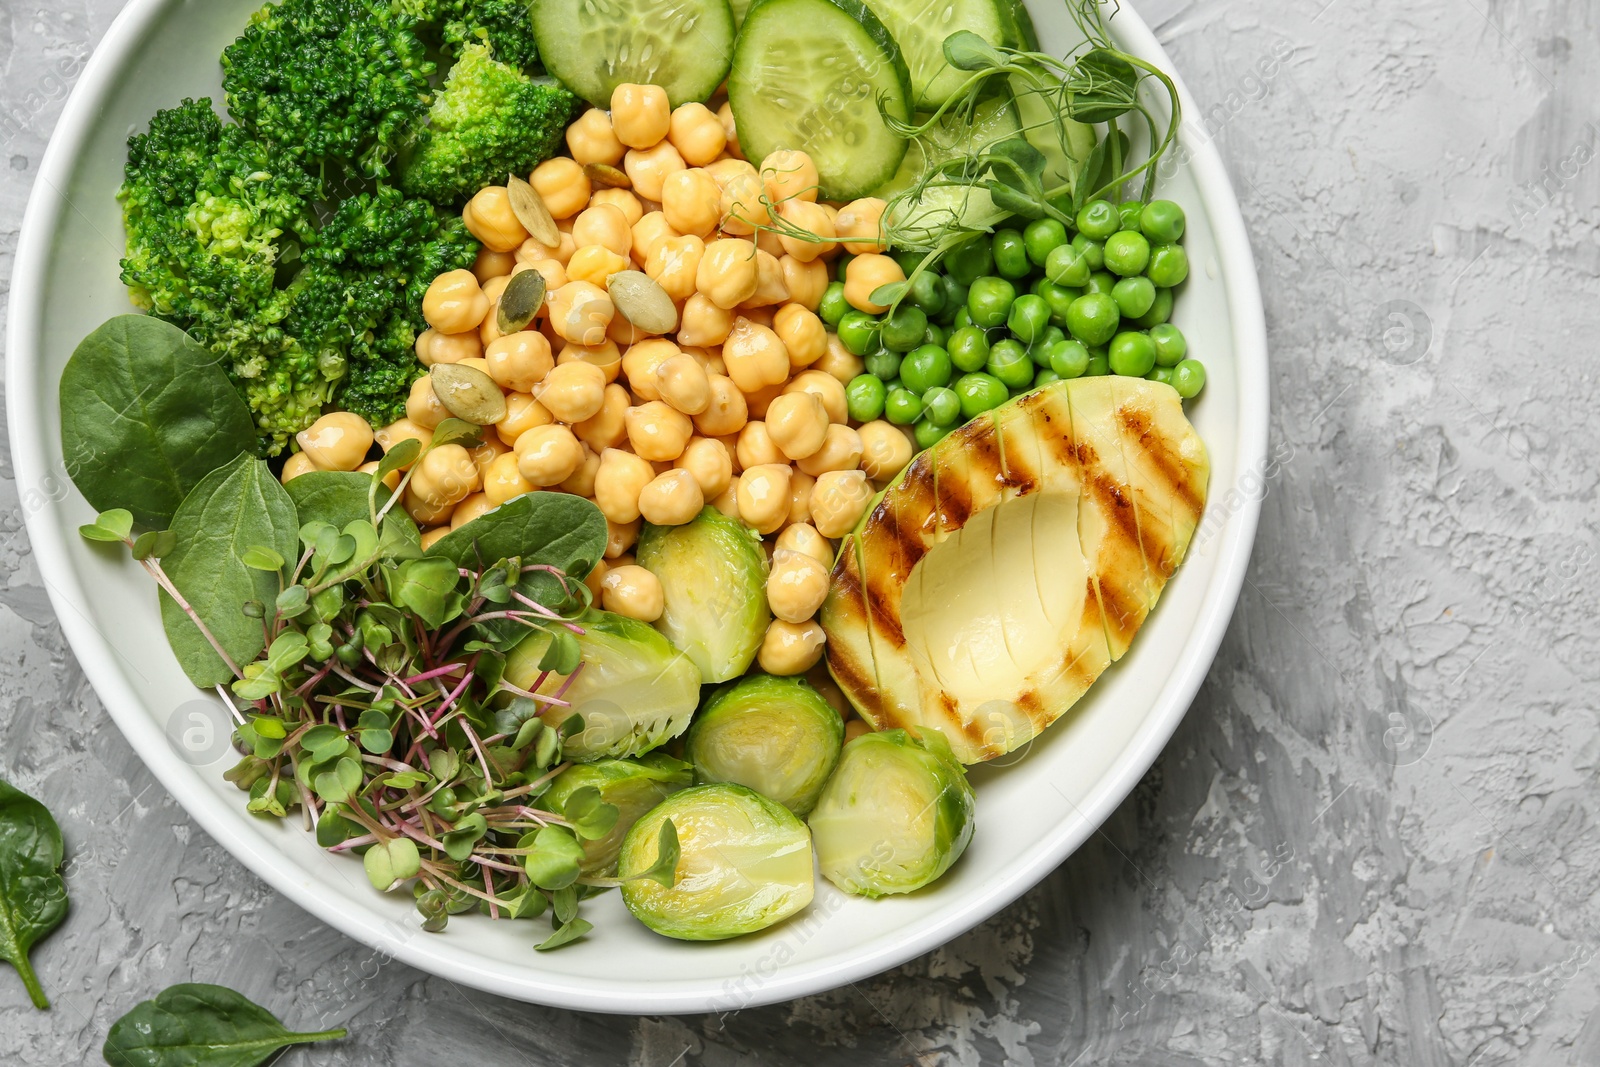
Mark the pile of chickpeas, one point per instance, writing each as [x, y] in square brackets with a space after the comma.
[741, 407]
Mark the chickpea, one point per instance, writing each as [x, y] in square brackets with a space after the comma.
[761, 399]
[640, 114]
[336, 442]
[682, 382]
[606, 428]
[758, 316]
[503, 481]
[641, 362]
[489, 218]
[553, 271]
[649, 168]
[813, 219]
[519, 361]
[800, 486]
[755, 356]
[633, 592]
[591, 139]
[444, 477]
[594, 264]
[862, 277]
[703, 322]
[295, 466]
[806, 281]
[712, 360]
[392, 479]
[692, 202]
[802, 333]
[617, 484]
[729, 130]
[770, 243]
[677, 264]
[802, 537]
[621, 536]
[797, 423]
[725, 170]
[604, 225]
[789, 175]
[471, 508]
[792, 648]
[581, 481]
[796, 586]
[580, 312]
[840, 362]
[657, 432]
[647, 232]
[435, 347]
[484, 454]
[625, 202]
[770, 289]
[728, 501]
[425, 514]
[840, 451]
[455, 302]
[563, 185]
[708, 461]
[548, 455]
[697, 134]
[402, 430]
[423, 406]
[605, 355]
[756, 447]
[671, 499]
[727, 412]
[625, 334]
[744, 211]
[839, 501]
[764, 496]
[861, 221]
[573, 391]
[491, 264]
[827, 389]
[597, 575]
[434, 536]
[523, 413]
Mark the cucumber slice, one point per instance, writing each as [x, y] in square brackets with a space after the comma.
[922, 221]
[809, 75]
[920, 27]
[1061, 166]
[684, 46]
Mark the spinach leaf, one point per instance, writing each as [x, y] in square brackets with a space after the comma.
[236, 508]
[33, 898]
[195, 1025]
[556, 529]
[339, 498]
[146, 413]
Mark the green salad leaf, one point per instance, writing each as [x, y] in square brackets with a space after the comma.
[33, 898]
[195, 1025]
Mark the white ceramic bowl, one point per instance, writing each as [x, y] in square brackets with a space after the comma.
[1031, 815]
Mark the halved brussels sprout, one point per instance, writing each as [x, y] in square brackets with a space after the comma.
[714, 577]
[634, 690]
[744, 864]
[633, 787]
[896, 814]
[777, 736]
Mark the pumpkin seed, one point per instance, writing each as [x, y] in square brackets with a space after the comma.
[521, 301]
[468, 394]
[605, 176]
[642, 301]
[529, 208]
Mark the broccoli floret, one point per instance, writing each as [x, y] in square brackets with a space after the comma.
[335, 83]
[488, 121]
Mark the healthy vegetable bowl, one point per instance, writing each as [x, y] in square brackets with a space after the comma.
[443, 702]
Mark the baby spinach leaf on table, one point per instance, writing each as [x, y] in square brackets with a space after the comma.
[236, 508]
[146, 413]
[194, 1025]
[33, 898]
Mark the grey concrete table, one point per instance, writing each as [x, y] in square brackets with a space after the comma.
[1373, 840]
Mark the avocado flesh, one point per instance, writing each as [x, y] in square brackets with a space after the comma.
[1014, 561]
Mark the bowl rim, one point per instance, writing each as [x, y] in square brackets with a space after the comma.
[630, 996]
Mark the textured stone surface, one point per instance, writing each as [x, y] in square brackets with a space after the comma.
[1373, 839]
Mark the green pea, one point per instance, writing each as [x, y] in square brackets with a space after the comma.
[840, 264]
[1009, 362]
[1168, 266]
[936, 335]
[858, 331]
[962, 318]
[903, 328]
[927, 293]
[1132, 355]
[1162, 221]
[864, 397]
[1028, 318]
[833, 305]
[929, 433]
[1010, 254]
[1039, 350]
[978, 393]
[1134, 296]
[1041, 237]
[1069, 359]
[1099, 219]
[1099, 366]
[1101, 281]
[1159, 312]
[902, 407]
[925, 368]
[1188, 378]
[883, 363]
[1067, 265]
[969, 348]
[1127, 253]
[989, 301]
[1059, 297]
[1129, 213]
[907, 260]
[968, 262]
[1171, 345]
[1045, 377]
[1160, 374]
[941, 406]
[1092, 251]
[955, 293]
[1093, 318]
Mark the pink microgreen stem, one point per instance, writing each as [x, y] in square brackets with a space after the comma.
[437, 672]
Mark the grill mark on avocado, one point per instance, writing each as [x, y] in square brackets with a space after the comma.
[1157, 450]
